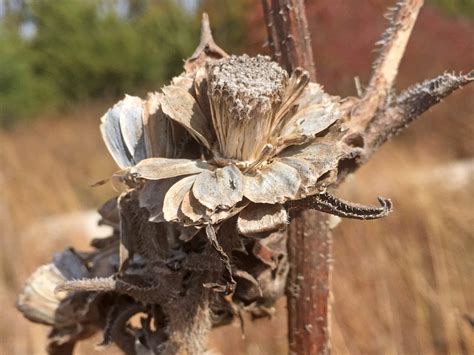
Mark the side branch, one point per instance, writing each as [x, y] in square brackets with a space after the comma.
[385, 68]
[393, 43]
[410, 104]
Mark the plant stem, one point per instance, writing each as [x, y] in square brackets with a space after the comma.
[309, 238]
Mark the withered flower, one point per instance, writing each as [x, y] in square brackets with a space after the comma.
[260, 135]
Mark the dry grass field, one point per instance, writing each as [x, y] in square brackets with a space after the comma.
[401, 285]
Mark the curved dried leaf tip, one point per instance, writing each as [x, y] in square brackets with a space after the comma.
[328, 203]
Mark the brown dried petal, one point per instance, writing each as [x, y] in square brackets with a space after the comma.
[220, 188]
[174, 197]
[312, 95]
[308, 122]
[109, 212]
[38, 300]
[259, 218]
[181, 106]
[162, 168]
[192, 209]
[306, 171]
[298, 82]
[274, 183]
[159, 137]
[324, 156]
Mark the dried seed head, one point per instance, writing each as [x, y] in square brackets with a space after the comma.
[245, 93]
[248, 85]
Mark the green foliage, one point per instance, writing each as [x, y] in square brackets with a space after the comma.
[22, 93]
[85, 49]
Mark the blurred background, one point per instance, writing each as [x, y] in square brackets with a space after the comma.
[401, 285]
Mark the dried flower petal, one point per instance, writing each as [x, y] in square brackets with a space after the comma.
[306, 171]
[308, 122]
[162, 135]
[180, 106]
[324, 156]
[131, 126]
[274, 183]
[162, 168]
[312, 95]
[112, 135]
[192, 209]
[38, 301]
[220, 188]
[296, 85]
[174, 197]
[259, 218]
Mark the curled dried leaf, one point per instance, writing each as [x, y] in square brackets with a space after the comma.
[38, 300]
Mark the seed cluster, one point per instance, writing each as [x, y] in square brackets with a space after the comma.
[249, 86]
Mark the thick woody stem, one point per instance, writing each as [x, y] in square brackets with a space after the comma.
[308, 284]
[288, 34]
[309, 238]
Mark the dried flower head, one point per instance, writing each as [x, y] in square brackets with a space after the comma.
[260, 141]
